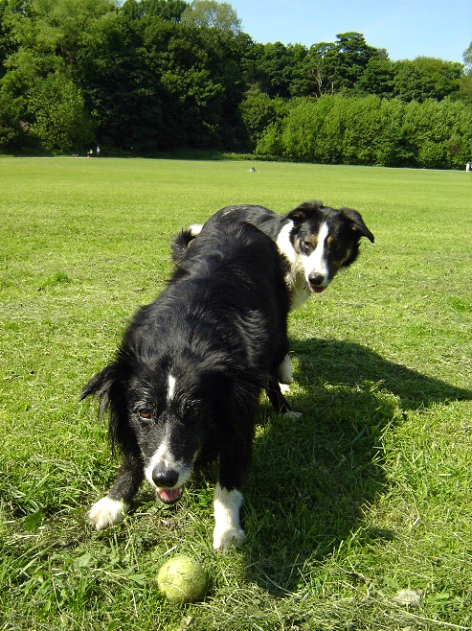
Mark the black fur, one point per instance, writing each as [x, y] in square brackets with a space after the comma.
[187, 377]
[296, 234]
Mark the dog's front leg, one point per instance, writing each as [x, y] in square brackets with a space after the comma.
[112, 508]
[227, 504]
[228, 500]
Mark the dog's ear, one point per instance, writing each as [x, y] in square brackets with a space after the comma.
[305, 210]
[101, 385]
[357, 223]
[108, 385]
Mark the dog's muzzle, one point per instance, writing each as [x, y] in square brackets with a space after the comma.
[317, 283]
[165, 482]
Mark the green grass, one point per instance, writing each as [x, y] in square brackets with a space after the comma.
[368, 494]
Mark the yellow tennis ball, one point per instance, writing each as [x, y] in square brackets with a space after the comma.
[182, 580]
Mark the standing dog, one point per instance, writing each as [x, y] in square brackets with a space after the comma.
[315, 240]
[187, 377]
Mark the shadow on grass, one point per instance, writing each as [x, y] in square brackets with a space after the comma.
[312, 477]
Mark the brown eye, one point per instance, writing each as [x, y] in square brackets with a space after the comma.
[145, 415]
[308, 245]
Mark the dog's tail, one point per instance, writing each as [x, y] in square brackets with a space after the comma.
[182, 240]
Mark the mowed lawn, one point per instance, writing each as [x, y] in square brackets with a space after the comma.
[367, 495]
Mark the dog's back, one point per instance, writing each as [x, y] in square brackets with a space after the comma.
[259, 216]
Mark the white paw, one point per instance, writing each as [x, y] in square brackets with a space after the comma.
[107, 512]
[228, 530]
[223, 539]
[291, 414]
[284, 388]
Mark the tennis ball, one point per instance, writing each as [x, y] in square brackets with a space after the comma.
[182, 580]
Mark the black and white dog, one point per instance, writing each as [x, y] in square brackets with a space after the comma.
[316, 241]
[187, 377]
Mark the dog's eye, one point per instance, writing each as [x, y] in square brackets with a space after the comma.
[308, 245]
[193, 411]
[145, 415]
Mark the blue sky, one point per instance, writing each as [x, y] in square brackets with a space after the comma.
[405, 28]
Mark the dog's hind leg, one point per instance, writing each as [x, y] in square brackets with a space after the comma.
[285, 375]
[279, 402]
[284, 371]
[112, 508]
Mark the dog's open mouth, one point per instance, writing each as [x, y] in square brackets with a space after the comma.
[316, 290]
[169, 496]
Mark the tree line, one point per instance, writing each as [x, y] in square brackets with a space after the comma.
[155, 75]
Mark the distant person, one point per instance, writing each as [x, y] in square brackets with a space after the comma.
[98, 151]
[468, 166]
[90, 153]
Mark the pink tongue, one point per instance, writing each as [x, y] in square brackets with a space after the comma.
[169, 495]
[317, 290]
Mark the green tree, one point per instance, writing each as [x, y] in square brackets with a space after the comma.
[259, 111]
[345, 61]
[306, 76]
[121, 90]
[198, 72]
[377, 78]
[7, 43]
[209, 13]
[60, 121]
[170, 10]
[468, 59]
[426, 78]
[39, 82]
[465, 87]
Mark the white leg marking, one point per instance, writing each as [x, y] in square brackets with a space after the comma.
[285, 371]
[107, 512]
[228, 529]
[292, 415]
[170, 388]
[316, 263]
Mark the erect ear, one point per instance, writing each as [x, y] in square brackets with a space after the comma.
[300, 213]
[357, 223]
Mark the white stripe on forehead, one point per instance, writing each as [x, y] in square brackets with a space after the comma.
[171, 381]
[317, 262]
[323, 232]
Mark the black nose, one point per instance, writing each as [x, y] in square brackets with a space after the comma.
[316, 279]
[165, 479]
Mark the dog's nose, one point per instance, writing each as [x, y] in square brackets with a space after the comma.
[165, 479]
[316, 280]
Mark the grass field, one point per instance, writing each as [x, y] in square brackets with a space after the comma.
[368, 494]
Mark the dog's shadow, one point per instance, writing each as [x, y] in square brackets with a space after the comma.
[311, 477]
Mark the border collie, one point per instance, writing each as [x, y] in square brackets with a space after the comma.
[316, 240]
[186, 380]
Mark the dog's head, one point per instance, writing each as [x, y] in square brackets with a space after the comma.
[164, 412]
[326, 240]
